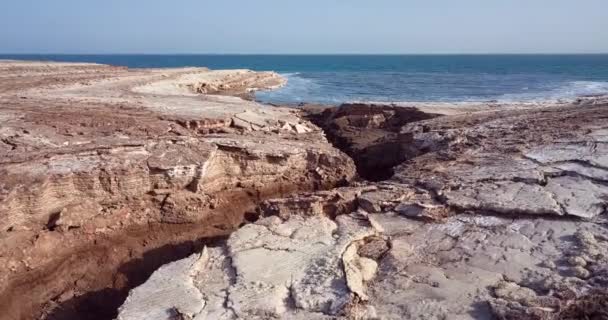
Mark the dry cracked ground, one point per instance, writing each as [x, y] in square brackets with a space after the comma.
[163, 194]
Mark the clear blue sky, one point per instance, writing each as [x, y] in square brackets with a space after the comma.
[305, 26]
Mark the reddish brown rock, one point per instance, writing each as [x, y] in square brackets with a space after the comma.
[108, 172]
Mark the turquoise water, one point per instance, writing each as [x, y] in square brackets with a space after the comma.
[396, 78]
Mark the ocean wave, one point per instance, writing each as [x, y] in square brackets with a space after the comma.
[297, 89]
[340, 87]
[569, 90]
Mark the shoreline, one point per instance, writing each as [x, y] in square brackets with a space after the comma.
[453, 108]
[359, 210]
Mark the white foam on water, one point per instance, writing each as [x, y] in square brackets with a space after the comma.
[297, 89]
[302, 88]
[568, 90]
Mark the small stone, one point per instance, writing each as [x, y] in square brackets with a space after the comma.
[368, 268]
[286, 127]
[241, 124]
[374, 248]
[301, 129]
[548, 264]
[420, 210]
[592, 251]
[577, 261]
[412, 210]
[512, 291]
[160, 198]
[601, 237]
[369, 206]
[256, 127]
[581, 272]
[585, 237]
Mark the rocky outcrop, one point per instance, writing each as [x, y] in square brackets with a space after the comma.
[479, 267]
[300, 268]
[502, 216]
[109, 174]
[98, 175]
[370, 134]
[240, 83]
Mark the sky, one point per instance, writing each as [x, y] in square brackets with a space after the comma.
[305, 27]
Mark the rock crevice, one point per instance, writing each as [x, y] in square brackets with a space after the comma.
[95, 168]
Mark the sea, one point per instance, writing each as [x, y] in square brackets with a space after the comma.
[333, 79]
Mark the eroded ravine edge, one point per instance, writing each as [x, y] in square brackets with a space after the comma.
[454, 206]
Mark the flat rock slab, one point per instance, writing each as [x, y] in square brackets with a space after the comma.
[301, 266]
[254, 118]
[450, 270]
[174, 293]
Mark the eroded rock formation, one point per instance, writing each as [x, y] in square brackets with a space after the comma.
[108, 174]
[108, 171]
[370, 134]
[301, 267]
[496, 215]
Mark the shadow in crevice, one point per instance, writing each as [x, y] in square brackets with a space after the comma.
[104, 303]
[370, 134]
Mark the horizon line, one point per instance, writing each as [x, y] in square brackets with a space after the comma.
[305, 54]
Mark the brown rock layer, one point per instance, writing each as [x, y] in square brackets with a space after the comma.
[107, 173]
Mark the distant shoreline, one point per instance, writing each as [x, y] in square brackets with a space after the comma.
[306, 54]
[455, 80]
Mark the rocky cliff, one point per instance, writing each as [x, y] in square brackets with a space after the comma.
[109, 172]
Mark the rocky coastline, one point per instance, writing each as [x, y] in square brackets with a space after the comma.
[163, 194]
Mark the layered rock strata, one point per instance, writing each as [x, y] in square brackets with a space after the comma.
[108, 172]
[493, 215]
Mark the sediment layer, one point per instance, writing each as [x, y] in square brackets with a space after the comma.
[107, 173]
